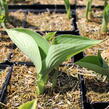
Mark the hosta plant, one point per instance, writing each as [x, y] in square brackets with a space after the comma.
[3, 11]
[96, 64]
[89, 14]
[105, 21]
[48, 56]
[68, 9]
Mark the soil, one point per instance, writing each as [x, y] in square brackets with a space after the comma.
[105, 55]
[42, 21]
[22, 89]
[16, 19]
[19, 56]
[66, 94]
[5, 45]
[93, 30]
[97, 86]
[38, 2]
[29, 2]
[3, 74]
[80, 2]
[95, 2]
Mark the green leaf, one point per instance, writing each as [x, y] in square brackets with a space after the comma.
[29, 105]
[102, 62]
[69, 46]
[70, 39]
[31, 43]
[2, 19]
[95, 63]
[50, 36]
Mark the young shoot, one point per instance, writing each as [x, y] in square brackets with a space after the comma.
[47, 56]
[89, 14]
[67, 6]
[3, 12]
[105, 20]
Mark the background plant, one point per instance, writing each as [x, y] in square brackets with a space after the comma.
[46, 56]
[3, 11]
[89, 13]
[96, 64]
[105, 20]
[68, 9]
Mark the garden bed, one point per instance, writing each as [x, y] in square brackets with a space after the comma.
[22, 89]
[37, 2]
[95, 2]
[45, 21]
[97, 86]
[3, 76]
[66, 93]
[93, 30]
[97, 89]
[5, 45]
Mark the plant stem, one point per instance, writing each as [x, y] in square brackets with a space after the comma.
[105, 20]
[67, 6]
[54, 75]
[104, 27]
[41, 82]
[89, 14]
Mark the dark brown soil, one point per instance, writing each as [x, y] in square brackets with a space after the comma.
[98, 89]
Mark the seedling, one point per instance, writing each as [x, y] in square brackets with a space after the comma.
[95, 63]
[105, 21]
[67, 6]
[48, 56]
[89, 14]
[3, 11]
